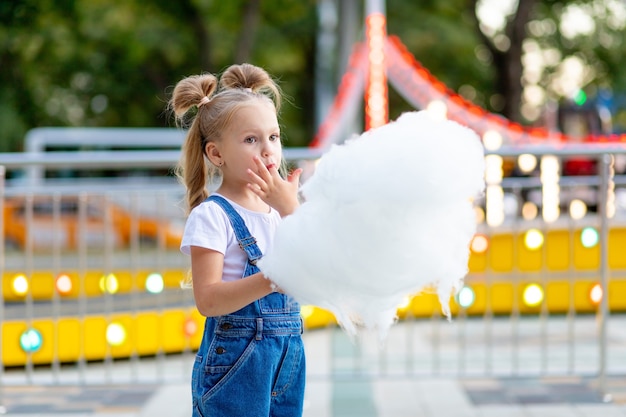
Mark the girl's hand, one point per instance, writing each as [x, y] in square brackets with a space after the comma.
[279, 193]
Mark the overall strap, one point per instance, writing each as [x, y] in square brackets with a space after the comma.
[246, 241]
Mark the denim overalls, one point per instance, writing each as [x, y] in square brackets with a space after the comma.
[251, 362]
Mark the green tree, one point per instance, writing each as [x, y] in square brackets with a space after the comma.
[103, 63]
[486, 65]
[442, 35]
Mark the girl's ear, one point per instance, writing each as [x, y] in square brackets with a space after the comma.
[213, 153]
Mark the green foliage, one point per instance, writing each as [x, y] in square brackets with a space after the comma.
[103, 63]
[443, 38]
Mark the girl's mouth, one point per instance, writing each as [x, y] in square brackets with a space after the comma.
[270, 166]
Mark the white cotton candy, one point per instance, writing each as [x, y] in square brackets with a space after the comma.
[386, 215]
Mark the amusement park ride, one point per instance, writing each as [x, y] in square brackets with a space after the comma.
[507, 267]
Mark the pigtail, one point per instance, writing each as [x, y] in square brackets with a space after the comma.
[190, 92]
[193, 168]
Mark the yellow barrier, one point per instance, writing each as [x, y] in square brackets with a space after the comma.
[70, 339]
[142, 333]
[43, 285]
[508, 277]
[562, 251]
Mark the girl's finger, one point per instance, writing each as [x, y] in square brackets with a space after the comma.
[260, 165]
[294, 176]
[255, 177]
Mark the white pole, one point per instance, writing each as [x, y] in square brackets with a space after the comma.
[374, 6]
[603, 312]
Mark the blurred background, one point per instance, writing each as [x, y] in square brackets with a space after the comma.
[112, 63]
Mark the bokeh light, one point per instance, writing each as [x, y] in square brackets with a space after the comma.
[20, 285]
[466, 297]
[109, 284]
[406, 302]
[527, 163]
[533, 239]
[31, 340]
[306, 311]
[494, 196]
[63, 284]
[595, 294]
[589, 237]
[577, 209]
[492, 140]
[533, 295]
[495, 205]
[437, 109]
[529, 210]
[154, 283]
[190, 327]
[550, 189]
[480, 243]
[115, 334]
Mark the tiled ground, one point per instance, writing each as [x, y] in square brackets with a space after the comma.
[75, 399]
[514, 397]
[553, 390]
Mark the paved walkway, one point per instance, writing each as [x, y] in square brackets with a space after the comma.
[424, 397]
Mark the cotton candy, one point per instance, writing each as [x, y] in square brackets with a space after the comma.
[385, 215]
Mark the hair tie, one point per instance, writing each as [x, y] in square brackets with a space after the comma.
[248, 89]
[204, 101]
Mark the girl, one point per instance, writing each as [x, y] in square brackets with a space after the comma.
[251, 359]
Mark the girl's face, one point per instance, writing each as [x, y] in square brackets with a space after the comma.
[253, 131]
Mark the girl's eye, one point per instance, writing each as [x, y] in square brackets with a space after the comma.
[250, 139]
[274, 138]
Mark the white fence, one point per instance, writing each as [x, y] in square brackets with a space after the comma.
[61, 225]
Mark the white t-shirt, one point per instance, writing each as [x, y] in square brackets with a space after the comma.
[208, 226]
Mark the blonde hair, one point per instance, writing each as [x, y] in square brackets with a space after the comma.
[215, 102]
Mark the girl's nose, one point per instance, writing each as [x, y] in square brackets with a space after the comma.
[266, 151]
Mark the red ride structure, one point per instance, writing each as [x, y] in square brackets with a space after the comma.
[383, 59]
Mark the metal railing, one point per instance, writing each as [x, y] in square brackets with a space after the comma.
[488, 341]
